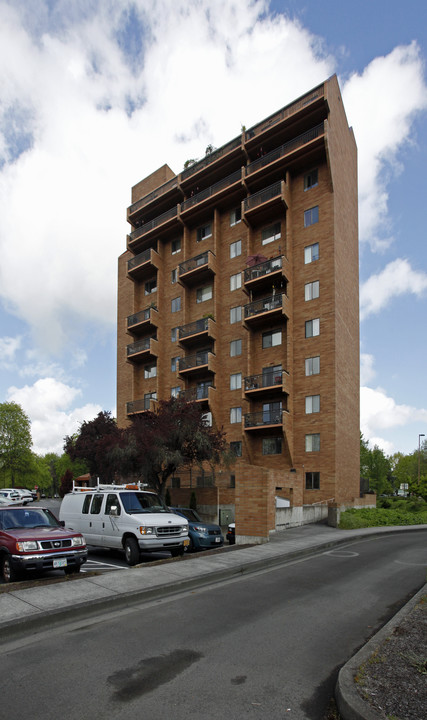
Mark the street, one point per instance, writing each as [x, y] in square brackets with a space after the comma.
[266, 645]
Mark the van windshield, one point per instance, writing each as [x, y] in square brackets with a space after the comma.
[140, 502]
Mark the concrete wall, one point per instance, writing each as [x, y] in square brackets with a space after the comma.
[296, 516]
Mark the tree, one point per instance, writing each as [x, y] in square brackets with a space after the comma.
[66, 483]
[175, 435]
[375, 466]
[15, 439]
[95, 444]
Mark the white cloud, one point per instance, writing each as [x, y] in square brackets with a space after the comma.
[46, 403]
[9, 346]
[381, 104]
[397, 278]
[379, 412]
[367, 371]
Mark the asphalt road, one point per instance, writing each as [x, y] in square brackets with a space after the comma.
[263, 646]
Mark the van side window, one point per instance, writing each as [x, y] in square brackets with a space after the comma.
[95, 508]
[86, 504]
[112, 500]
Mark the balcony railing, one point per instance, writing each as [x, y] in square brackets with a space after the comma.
[212, 190]
[193, 263]
[193, 328]
[140, 405]
[264, 380]
[272, 302]
[159, 220]
[139, 346]
[285, 149]
[262, 196]
[192, 361]
[262, 269]
[141, 316]
[264, 417]
[285, 112]
[195, 393]
[212, 157]
[158, 192]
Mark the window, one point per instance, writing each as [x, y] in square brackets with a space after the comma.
[235, 381]
[175, 391]
[147, 398]
[312, 442]
[207, 419]
[312, 290]
[272, 375]
[236, 249]
[235, 281]
[174, 276]
[312, 328]
[311, 216]
[95, 508]
[232, 481]
[311, 179]
[86, 504]
[204, 232]
[272, 446]
[174, 334]
[150, 286]
[112, 501]
[235, 216]
[150, 371]
[271, 233]
[235, 348]
[272, 338]
[235, 414]
[312, 480]
[174, 363]
[236, 448]
[311, 253]
[312, 404]
[235, 314]
[204, 293]
[176, 246]
[312, 365]
[176, 304]
[175, 482]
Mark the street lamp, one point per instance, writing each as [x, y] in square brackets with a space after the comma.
[419, 454]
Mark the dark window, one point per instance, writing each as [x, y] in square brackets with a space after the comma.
[311, 216]
[112, 501]
[236, 448]
[312, 480]
[86, 504]
[95, 508]
[311, 179]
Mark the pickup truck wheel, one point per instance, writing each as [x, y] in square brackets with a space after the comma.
[9, 574]
[177, 552]
[73, 570]
[131, 551]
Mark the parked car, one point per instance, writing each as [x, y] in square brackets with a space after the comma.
[4, 502]
[202, 535]
[231, 533]
[24, 495]
[33, 539]
[12, 496]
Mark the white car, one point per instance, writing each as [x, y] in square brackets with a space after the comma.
[12, 496]
[25, 495]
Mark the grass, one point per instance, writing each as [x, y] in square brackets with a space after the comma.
[394, 511]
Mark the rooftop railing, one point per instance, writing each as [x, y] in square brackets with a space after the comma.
[158, 192]
[285, 149]
[263, 196]
[272, 302]
[285, 112]
[211, 157]
[264, 268]
[212, 190]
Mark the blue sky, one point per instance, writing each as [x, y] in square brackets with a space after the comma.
[94, 95]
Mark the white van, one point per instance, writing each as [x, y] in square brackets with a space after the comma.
[124, 517]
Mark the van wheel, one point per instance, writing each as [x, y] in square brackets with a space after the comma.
[131, 551]
[9, 574]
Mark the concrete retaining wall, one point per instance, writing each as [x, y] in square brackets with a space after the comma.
[296, 516]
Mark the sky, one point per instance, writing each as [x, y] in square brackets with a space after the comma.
[97, 94]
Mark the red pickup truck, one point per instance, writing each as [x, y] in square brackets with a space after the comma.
[33, 539]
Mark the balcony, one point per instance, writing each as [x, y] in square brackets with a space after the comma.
[168, 188]
[147, 404]
[199, 394]
[271, 160]
[266, 201]
[270, 382]
[263, 419]
[144, 264]
[230, 149]
[143, 321]
[265, 274]
[212, 194]
[197, 269]
[198, 364]
[143, 350]
[162, 223]
[197, 332]
[266, 309]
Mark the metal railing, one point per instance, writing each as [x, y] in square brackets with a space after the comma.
[212, 157]
[262, 196]
[264, 417]
[195, 393]
[159, 220]
[210, 191]
[139, 346]
[140, 316]
[264, 268]
[192, 361]
[140, 259]
[264, 380]
[193, 263]
[286, 148]
[193, 328]
[285, 112]
[158, 192]
[272, 302]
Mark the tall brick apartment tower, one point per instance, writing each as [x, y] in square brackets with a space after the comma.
[239, 290]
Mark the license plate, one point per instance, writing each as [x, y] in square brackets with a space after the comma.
[217, 539]
[62, 562]
[186, 542]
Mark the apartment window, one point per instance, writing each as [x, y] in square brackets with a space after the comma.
[312, 328]
[311, 216]
[236, 249]
[271, 233]
[174, 334]
[174, 276]
[235, 348]
[312, 442]
[272, 446]
[311, 253]
[150, 371]
[207, 419]
[150, 286]
[235, 314]
[176, 304]
[311, 179]
[175, 482]
[175, 391]
[174, 363]
[204, 232]
[236, 448]
[176, 246]
[272, 375]
[204, 293]
[232, 481]
[147, 398]
[312, 365]
[235, 216]
[312, 404]
[235, 381]
[235, 414]
[312, 480]
[312, 290]
[272, 338]
[235, 281]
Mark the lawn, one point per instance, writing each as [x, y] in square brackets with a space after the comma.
[389, 511]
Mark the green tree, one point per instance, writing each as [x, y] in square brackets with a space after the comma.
[15, 440]
[94, 444]
[375, 466]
